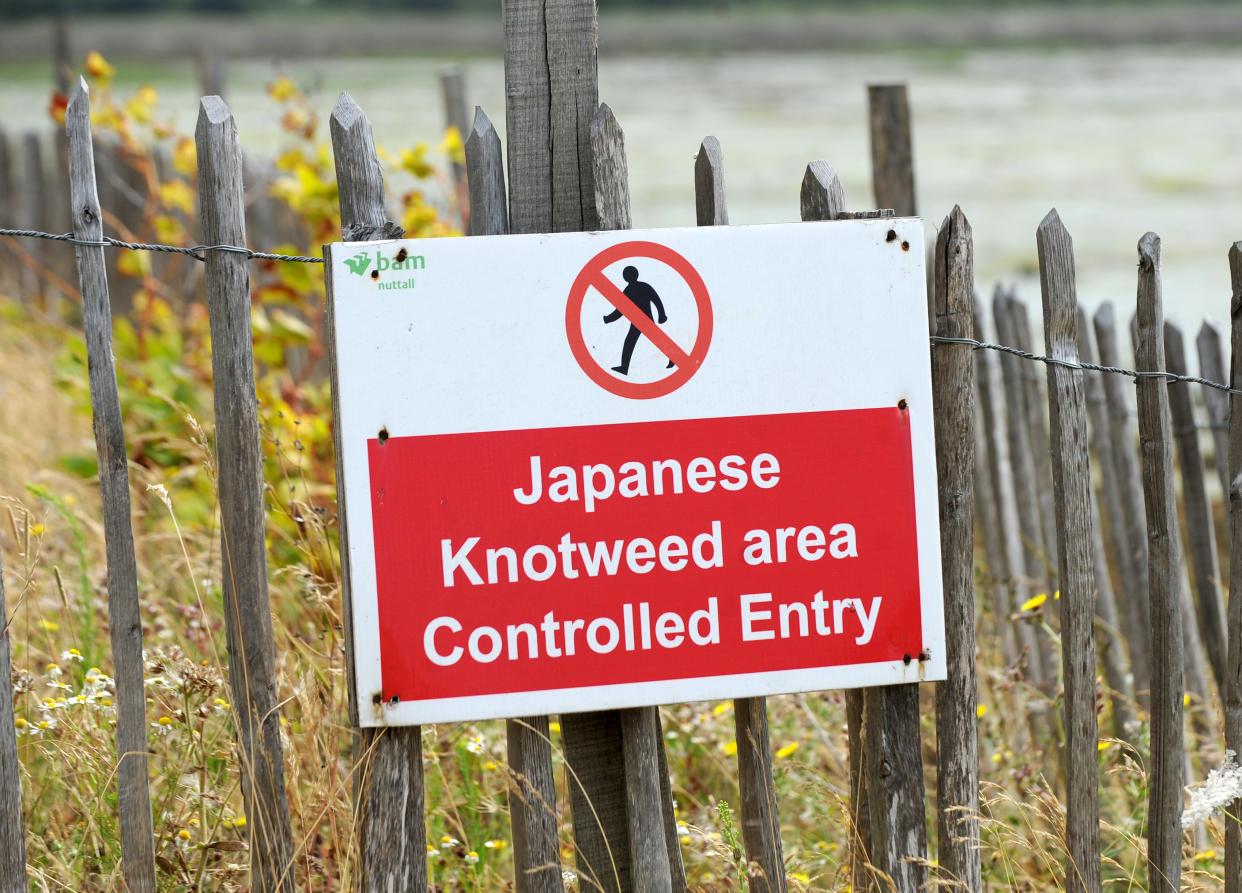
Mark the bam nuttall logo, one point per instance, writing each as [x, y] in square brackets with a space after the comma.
[403, 261]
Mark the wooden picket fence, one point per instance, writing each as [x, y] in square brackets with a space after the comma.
[1038, 466]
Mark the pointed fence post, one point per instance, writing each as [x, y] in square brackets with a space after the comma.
[1164, 832]
[1111, 648]
[761, 829]
[822, 198]
[388, 790]
[1071, 475]
[247, 609]
[957, 697]
[124, 611]
[1232, 695]
[1209, 610]
[1212, 367]
[1130, 534]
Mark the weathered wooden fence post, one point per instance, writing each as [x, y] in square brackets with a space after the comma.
[822, 198]
[1212, 367]
[1232, 695]
[124, 611]
[1164, 832]
[892, 155]
[247, 609]
[1112, 651]
[388, 792]
[957, 697]
[1071, 476]
[1128, 527]
[12, 828]
[761, 830]
[532, 786]
[1209, 610]
[453, 95]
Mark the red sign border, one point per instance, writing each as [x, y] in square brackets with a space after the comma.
[573, 320]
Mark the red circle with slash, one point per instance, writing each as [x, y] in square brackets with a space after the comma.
[592, 277]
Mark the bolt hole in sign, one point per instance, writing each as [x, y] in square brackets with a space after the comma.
[594, 470]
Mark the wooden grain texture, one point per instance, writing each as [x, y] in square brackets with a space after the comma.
[610, 179]
[641, 743]
[957, 696]
[528, 137]
[1212, 367]
[388, 791]
[124, 609]
[12, 826]
[822, 198]
[32, 186]
[1165, 772]
[892, 741]
[1205, 570]
[1110, 643]
[489, 205]
[710, 208]
[997, 517]
[594, 759]
[1071, 474]
[1232, 695]
[573, 81]
[243, 551]
[760, 820]
[1133, 601]
[892, 154]
[1031, 573]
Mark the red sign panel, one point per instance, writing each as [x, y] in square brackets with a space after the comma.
[532, 560]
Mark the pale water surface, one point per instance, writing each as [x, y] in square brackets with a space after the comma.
[1120, 141]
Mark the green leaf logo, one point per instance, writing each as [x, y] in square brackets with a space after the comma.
[358, 263]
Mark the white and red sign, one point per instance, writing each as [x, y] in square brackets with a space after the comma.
[612, 469]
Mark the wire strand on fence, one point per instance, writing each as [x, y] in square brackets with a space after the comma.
[1092, 367]
[196, 252]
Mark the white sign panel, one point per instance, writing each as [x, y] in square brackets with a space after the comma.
[594, 470]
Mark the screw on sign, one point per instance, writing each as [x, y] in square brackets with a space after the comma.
[641, 305]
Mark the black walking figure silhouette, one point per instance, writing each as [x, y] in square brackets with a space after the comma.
[642, 296]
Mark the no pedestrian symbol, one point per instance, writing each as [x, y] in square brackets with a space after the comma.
[656, 286]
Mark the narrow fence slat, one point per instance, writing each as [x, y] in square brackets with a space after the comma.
[528, 140]
[1209, 610]
[489, 207]
[1071, 474]
[12, 826]
[610, 176]
[893, 762]
[1032, 571]
[1109, 636]
[1037, 430]
[32, 187]
[1194, 662]
[957, 696]
[388, 787]
[996, 517]
[124, 609]
[1131, 531]
[758, 808]
[822, 198]
[1212, 367]
[532, 784]
[573, 82]
[892, 156]
[1164, 835]
[1232, 695]
[247, 609]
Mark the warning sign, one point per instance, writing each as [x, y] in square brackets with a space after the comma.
[612, 469]
[639, 304]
